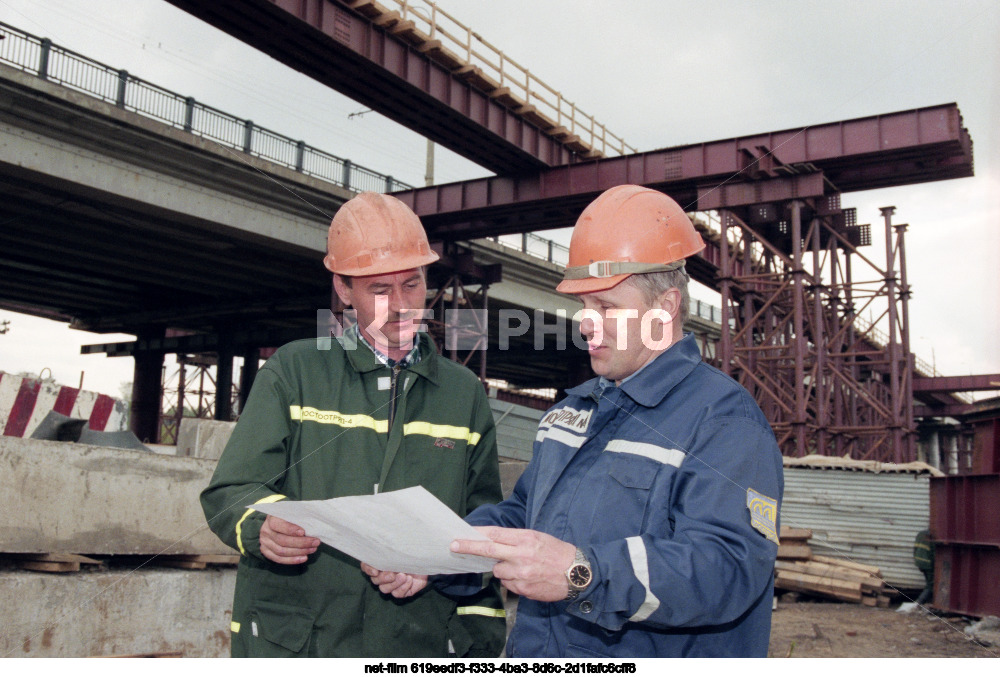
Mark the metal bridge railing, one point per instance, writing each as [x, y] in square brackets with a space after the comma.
[706, 311]
[537, 246]
[39, 56]
[470, 47]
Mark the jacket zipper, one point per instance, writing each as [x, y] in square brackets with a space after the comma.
[393, 380]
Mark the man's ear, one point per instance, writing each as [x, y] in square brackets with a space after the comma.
[670, 301]
[343, 291]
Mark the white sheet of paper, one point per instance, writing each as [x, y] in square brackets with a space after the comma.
[409, 530]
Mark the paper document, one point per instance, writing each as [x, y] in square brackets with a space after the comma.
[408, 531]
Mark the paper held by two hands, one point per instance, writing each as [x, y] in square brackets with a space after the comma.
[409, 531]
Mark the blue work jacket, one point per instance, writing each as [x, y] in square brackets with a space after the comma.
[670, 485]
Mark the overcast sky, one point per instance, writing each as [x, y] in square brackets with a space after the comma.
[657, 73]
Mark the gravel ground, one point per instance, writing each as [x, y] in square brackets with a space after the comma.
[815, 629]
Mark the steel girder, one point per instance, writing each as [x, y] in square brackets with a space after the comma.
[894, 149]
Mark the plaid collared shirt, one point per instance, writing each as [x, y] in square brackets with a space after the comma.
[410, 359]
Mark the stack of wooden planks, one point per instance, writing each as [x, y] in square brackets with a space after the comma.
[63, 562]
[794, 543]
[196, 561]
[53, 562]
[799, 570]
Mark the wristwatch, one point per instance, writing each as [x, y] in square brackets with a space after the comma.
[579, 575]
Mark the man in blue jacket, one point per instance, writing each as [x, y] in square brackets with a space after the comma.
[646, 523]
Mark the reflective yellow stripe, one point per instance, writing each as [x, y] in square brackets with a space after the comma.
[235, 627]
[480, 611]
[274, 498]
[297, 413]
[440, 430]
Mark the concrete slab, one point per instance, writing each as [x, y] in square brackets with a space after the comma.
[65, 497]
[167, 449]
[116, 612]
[203, 438]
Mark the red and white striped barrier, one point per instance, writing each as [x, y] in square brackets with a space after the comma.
[24, 402]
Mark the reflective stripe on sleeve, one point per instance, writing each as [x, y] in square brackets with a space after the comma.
[274, 498]
[297, 413]
[235, 627]
[441, 430]
[660, 454]
[640, 566]
[480, 611]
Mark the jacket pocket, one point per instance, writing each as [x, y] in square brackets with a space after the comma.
[279, 630]
[625, 495]
[633, 472]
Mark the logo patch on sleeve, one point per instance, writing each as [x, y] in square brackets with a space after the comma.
[445, 443]
[763, 514]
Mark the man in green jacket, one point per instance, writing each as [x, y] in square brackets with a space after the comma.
[375, 410]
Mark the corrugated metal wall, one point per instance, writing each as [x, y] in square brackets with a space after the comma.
[516, 428]
[871, 518]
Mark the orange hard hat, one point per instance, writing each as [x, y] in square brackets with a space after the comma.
[375, 234]
[627, 230]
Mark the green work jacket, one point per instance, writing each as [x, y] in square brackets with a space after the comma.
[319, 424]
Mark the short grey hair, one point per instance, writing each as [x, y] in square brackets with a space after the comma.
[652, 285]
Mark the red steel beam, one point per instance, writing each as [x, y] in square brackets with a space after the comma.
[924, 144]
[952, 410]
[955, 384]
[731, 194]
[346, 51]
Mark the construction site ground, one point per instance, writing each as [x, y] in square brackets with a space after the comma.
[821, 629]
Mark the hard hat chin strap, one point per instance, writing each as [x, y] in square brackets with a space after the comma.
[602, 269]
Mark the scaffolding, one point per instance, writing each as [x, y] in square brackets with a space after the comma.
[189, 391]
[794, 283]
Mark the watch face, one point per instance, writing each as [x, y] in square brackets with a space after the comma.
[579, 576]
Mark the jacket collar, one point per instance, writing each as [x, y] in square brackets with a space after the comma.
[363, 360]
[652, 384]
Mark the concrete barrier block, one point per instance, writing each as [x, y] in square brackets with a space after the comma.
[65, 497]
[113, 613]
[203, 438]
[25, 402]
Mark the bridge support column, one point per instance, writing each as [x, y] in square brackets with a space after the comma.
[144, 414]
[251, 358]
[224, 385]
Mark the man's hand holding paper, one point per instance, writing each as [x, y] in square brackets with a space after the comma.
[284, 542]
[396, 584]
[409, 530]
